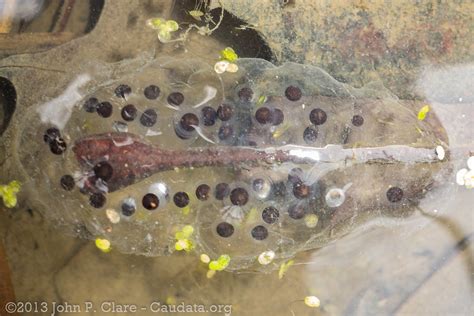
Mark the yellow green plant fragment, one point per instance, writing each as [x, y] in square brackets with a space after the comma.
[220, 264]
[161, 24]
[182, 239]
[155, 23]
[188, 230]
[164, 28]
[171, 300]
[8, 193]
[281, 130]
[103, 244]
[284, 268]
[423, 112]
[196, 14]
[261, 100]
[186, 210]
[210, 274]
[229, 54]
[184, 244]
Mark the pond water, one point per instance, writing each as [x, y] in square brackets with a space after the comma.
[237, 157]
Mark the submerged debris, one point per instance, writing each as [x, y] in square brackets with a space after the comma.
[311, 220]
[103, 244]
[183, 241]
[465, 177]
[470, 163]
[284, 268]
[8, 193]
[440, 152]
[266, 257]
[112, 215]
[220, 264]
[205, 258]
[226, 64]
[229, 54]
[312, 301]
[164, 28]
[423, 112]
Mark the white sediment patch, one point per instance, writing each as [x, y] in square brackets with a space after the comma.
[20, 9]
[211, 93]
[201, 133]
[126, 142]
[58, 110]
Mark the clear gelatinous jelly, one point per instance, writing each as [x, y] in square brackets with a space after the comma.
[269, 158]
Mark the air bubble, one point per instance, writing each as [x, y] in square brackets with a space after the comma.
[161, 190]
[335, 197]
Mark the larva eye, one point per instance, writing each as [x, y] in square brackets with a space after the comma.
[253, 164]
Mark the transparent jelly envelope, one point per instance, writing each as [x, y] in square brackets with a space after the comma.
[257, 164]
